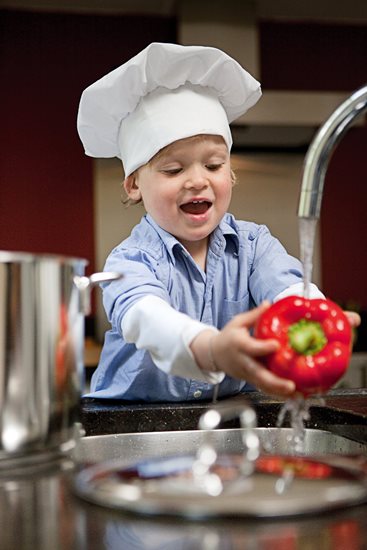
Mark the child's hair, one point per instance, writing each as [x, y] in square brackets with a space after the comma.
[129, 202]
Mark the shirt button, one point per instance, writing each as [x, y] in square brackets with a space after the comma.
[197, 394]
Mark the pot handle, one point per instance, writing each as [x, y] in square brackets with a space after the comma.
[85, 284]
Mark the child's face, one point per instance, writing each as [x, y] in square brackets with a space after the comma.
[186, 188]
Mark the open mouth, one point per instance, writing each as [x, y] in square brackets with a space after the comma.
[196, 207]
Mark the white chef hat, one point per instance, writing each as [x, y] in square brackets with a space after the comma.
[165, 93]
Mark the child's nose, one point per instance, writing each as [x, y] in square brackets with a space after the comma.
[197, 177]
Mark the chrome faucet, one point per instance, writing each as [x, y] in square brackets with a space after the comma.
[319, 152]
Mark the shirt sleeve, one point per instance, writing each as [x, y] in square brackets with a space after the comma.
[139, 280]
[272, 269]
[152, 324]
[298, 290]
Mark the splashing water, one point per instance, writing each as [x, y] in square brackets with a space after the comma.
[307, 232]
[299, 411]
[284, 482]
[215, 393]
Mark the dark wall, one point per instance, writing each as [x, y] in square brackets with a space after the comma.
[325, 57]
[314, 56]
[46, 181]
[344, 220]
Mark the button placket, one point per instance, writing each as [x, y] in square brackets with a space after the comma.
[214, 255]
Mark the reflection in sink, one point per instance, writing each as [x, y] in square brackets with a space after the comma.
[133, 447]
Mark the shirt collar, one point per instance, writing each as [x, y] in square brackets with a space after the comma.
[169, 241]
[222, 231]
[227, 229]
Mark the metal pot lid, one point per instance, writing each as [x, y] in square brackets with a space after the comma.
[278, 486]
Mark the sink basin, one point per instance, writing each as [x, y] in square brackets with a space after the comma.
[130, 448]
[155, 473]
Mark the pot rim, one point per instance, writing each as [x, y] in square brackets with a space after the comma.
[8, 256]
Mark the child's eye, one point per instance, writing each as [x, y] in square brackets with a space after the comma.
[213, 167]
[171, 171]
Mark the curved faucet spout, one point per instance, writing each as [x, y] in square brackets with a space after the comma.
[320, 150]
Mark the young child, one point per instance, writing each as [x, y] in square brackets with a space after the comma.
[193, 275]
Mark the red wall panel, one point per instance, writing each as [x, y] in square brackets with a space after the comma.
[309, 55]
[344, 221]
[46, 181]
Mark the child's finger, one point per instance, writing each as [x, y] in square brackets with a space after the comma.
[354, 318]
[248, 318]
[265, 380]
[259, 348]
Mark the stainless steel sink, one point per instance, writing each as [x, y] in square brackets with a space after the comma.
[172, 472]
[130, 448]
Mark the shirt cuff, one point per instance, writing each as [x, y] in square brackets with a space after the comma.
[152, 324]
[298, 290]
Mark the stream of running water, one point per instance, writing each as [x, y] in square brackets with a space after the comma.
[307, 232]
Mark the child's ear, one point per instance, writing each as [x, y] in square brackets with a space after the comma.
[131, 188]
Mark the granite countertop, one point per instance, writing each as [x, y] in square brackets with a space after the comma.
[340, 408]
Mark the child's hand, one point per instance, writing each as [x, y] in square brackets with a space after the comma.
[235, 352]
[354, 318]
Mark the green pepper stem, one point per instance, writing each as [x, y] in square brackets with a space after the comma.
[307, 337]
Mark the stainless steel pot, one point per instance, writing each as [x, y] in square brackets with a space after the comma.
[43, 299]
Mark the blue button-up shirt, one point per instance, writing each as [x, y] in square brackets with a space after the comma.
[245, 265]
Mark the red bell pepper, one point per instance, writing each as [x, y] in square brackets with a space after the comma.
[315, 340]
[298, 466]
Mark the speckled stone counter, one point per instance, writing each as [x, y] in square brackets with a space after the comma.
[344, 410]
